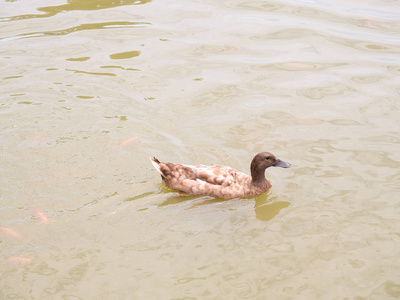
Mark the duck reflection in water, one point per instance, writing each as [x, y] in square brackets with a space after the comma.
[266, 206]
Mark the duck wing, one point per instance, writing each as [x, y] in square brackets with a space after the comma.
[216, 175]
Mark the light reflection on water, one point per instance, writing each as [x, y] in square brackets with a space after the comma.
[74, 5]
[91, 89]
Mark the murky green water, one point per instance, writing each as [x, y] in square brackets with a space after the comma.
[91, 89]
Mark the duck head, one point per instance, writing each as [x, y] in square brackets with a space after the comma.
[262, 161]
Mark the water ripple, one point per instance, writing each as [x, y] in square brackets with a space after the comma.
[82, 27]
[74, 5]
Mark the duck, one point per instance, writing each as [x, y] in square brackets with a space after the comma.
[219, 181]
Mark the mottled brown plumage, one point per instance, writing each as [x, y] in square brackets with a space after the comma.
[219, 181]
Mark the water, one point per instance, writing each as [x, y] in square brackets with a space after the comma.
[91, 89]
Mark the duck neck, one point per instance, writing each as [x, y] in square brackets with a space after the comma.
[257, 175]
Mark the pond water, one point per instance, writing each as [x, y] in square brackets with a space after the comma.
[91, 89]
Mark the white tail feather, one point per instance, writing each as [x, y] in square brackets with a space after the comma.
[156, 165]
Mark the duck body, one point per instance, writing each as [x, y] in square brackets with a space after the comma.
[219, 181]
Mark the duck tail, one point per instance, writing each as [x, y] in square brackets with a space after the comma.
[156, 165]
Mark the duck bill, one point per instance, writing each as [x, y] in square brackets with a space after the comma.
[281, 163]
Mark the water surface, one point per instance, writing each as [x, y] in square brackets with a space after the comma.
[91, 89]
